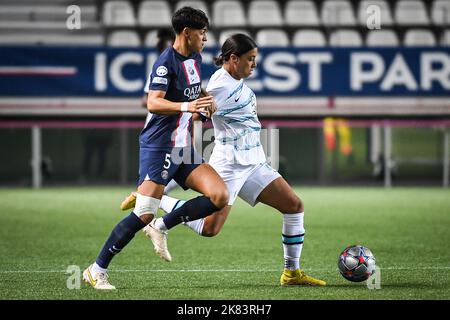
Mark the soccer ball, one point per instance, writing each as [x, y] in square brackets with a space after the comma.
[356, 263]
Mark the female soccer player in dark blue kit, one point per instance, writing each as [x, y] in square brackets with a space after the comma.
[166, 151]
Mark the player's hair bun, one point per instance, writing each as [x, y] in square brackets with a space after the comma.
[218, 61]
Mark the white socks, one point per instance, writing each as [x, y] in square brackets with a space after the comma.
[292, 237]
[168, 204]
[196, 225]
[160, 225]
[96, 268]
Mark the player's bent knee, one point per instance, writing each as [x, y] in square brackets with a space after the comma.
[295, 205]
[146, 205]
[210, 231]
[220, 197]
[298, 205]
[210, 234]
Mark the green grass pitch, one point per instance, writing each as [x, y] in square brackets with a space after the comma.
[42, 232]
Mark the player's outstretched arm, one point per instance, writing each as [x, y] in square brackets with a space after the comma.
[156, 103]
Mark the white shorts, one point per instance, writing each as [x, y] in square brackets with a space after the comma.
[246, 181]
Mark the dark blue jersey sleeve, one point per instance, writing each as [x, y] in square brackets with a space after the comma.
[161, 74]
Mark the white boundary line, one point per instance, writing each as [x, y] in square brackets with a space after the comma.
[221, 270]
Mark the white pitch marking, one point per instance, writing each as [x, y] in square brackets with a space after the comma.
[220, 270]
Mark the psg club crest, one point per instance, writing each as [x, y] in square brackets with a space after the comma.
[191, 72]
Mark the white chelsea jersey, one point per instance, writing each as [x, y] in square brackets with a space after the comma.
[236, 125]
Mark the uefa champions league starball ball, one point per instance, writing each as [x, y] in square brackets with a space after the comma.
[356, 263]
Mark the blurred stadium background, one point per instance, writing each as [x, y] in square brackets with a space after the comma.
[357, 98]
[354, 105]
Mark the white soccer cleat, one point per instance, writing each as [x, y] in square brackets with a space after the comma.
[159, 239]
[98, 280]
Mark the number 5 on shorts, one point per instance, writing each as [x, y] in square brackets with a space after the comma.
[167, 161]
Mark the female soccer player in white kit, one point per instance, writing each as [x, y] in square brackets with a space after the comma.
[238, 157]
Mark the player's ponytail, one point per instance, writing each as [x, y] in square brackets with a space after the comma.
[218, 61]
[237, 44]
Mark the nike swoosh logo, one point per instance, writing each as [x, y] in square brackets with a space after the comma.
[239, 95]
[93, 282]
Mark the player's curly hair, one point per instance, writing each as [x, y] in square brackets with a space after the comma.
[237, 44]
[188, 17]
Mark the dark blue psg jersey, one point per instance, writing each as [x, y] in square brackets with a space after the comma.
[180, 78]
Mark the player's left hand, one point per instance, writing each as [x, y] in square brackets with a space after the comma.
[209, 111]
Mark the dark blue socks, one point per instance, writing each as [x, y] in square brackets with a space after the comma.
[193, 209]
[119, 238]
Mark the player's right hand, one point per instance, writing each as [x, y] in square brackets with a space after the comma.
[201, 105]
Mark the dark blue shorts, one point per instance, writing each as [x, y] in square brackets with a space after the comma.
[161, 166]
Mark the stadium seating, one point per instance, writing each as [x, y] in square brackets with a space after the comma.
[385, 12]
[225, 34]
[301, 13]
[411, 12]
[228, 13]
[345, 38]
[264, 13]
[118, 13]
[445, 38]
[338, 13]
[440, 12]
[309, 38]
[15, 13]
[51, 17]
[382, 38]
[59, 13]
[151, 38]
[154, 14]
[52, 39]
[300, 23]
[42, 12]
[272, 38]
[419, 38]
[124, 38]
